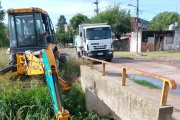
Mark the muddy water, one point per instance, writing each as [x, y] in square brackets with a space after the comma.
[155, 82]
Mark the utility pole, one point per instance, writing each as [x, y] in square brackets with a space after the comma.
[137, 13]
[97, 8]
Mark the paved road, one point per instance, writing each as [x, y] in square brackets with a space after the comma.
[165, 69]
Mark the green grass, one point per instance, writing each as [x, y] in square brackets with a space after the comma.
[20, 103]
[70, 70]
[20, 100]
[35, 103]
[4, 58]
[145, 83]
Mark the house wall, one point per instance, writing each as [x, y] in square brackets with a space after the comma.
[142, 24]
[133, 43]
[150, 46]
[144, 46]
[172, 43]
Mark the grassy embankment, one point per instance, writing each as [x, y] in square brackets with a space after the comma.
[21, 100]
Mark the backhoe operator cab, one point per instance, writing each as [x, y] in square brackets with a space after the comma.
[29, 29]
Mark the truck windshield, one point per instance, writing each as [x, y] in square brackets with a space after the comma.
[98, 33]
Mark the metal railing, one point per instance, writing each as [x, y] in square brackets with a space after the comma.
[167, 82]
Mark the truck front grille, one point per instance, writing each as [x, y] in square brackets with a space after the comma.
[100, 47]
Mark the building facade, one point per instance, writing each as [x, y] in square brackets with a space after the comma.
[142, 24]
[156, 40]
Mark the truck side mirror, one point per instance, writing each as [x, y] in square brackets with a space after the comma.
[80, 34]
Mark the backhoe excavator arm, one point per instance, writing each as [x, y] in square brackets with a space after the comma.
[29, 64]
[52, 81]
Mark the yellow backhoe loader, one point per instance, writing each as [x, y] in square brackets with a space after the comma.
[33, 52]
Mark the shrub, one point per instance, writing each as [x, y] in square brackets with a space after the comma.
[70, 70]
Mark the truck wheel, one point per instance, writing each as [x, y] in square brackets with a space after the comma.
[108, 60]
[13, 61]
[78, 54]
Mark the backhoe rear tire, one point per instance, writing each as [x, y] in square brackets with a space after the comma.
[13, 61]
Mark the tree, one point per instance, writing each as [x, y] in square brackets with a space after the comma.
[61, 22]
[65, 37]
[119, 19]
[162, 20]
[3, 29]
[78, 19]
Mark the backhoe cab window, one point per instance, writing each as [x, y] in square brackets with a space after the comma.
[98, 33]
[25, 30]
[22, 30]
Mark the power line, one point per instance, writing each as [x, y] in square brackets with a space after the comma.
[91, 9]
[156, 4]
[83, 11]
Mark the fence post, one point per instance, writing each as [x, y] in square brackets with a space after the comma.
[123, 76]
[164, 93]
[91, 64]
[103, 69]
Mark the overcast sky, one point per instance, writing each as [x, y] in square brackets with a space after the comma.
[68, 8]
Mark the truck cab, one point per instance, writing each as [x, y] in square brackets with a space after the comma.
[95, 40]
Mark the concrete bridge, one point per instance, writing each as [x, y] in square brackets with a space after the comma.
[115, 95]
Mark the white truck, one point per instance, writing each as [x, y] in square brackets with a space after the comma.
[94, 40]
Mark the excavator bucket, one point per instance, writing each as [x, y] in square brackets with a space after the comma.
[63, 84]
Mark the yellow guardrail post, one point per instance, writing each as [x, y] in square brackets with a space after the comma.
[164, 93]
[91, 64]
[103, 69]
[123, 76]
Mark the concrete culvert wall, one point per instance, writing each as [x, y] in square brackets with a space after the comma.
[105, 96]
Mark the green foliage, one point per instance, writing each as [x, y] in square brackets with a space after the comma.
[35, 103]
[78, 19]
[70, 70]
[75, 103]
[74, 100]
[119, 19]
[145, 83]
[61, 23]
[20, 102]
[4, 42]
[62, 36]
[3, 30]
[162, 20]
